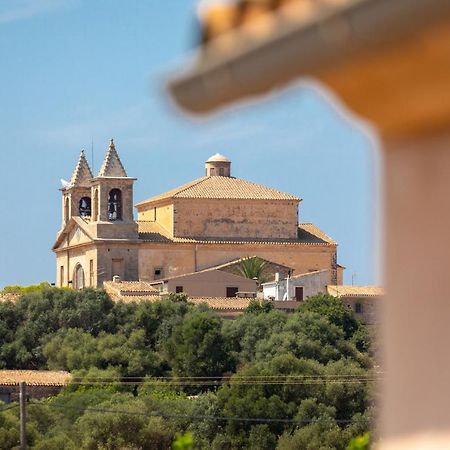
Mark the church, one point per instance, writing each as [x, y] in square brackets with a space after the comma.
[209, 221]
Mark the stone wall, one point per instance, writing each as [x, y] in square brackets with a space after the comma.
[235, 218]
[178, 259]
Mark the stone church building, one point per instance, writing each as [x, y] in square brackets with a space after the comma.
[209, 221]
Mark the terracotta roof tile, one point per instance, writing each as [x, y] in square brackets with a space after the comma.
[121, 289]
[355, 291]
[9, 297]
[308, 234]
[221, 303]
[217, 187]
[35, 377]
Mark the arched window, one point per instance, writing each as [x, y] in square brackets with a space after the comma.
[85, 207]
[115, 205]
[66, 209]
[95, 206]
[78, 278]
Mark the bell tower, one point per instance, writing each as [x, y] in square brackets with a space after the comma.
[76, 194]
[112, 199]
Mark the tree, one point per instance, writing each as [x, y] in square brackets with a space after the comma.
[252, 267]
[196, 346]
[259, 306]
[333, 309]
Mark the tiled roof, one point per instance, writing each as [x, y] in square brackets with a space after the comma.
[217, 187]
[216, 303]
[9, 297]
[311, 233]
[119, 290]
[308, 234]
[355, 291]
[34, 377]
[222, 303]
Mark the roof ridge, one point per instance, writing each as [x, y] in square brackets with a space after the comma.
[193, 183]
[171, 192]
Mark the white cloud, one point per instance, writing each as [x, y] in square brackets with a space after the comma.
[15, 10]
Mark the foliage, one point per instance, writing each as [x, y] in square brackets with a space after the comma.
[252, 267]
[360, 442]
[178, 297]
[14, 289]
[183, 442]
[333, 309]
[259, 306]
[197, 347]
[102, 343]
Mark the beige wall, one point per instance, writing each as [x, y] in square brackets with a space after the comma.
[178, 259]
[213, 283]
[161, 213]
[368, 314]
[235, 218]
[69, 259]
[104, 255]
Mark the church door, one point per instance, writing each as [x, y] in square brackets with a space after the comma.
[79, 277]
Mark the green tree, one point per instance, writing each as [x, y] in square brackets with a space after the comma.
[196, 346]
[259, 306]
[333, 309]
[252, 267]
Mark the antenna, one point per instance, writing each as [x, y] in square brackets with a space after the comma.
[92, 154]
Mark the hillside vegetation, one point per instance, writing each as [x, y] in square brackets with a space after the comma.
[146, 371]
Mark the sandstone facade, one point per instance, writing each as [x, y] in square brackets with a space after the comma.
[207, 222]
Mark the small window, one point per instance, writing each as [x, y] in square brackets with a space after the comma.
[179, 289]
[61, 276]
[232, 291]
[299, 293]
[221, 171]
[158, 273]
[91, 273]
[358, 308]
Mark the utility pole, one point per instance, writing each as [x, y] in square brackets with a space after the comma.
[23, 416]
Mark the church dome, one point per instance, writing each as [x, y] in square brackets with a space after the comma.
[218, 158]
[218, 165]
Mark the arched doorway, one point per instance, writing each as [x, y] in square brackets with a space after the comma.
[78, 277]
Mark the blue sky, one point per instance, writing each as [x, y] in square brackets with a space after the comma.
[75, 71]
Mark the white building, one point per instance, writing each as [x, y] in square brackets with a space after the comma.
[297, 287]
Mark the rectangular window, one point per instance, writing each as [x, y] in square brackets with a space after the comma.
[358, 308]
[179, 289]
[221, 171]
[61, 276]
[117, 268]
[232, 291]
[158, 273]
[91, 273]
[154, 214]
[299, 293]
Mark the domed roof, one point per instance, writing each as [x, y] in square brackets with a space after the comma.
[218, 158]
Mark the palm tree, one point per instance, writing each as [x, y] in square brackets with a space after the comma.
[252, 267]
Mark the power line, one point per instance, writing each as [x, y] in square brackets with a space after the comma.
[219, 382]
[196, 416]
[9, 407]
